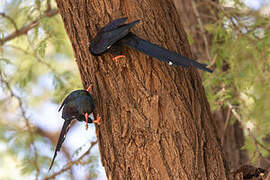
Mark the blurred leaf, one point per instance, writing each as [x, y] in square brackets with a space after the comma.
[41, 48]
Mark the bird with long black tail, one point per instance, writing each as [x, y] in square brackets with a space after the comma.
[78, 105]
[117, 33]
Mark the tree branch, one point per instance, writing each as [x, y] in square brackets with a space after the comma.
[26, 119]
[12, 94]
[69, 165]
[40, 60]
[256, 142]
[53, 137]
[196, 12]
[226, 125]
[24, 29]
[10, 19]
[49, 7]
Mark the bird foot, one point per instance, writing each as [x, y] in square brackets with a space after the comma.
[89, 89]
[117, 57]
[97, 121]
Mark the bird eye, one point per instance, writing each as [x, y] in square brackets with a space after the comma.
[109, 47]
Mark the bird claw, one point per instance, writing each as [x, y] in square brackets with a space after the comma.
[97, 121]
[117, 57]
[89, 89]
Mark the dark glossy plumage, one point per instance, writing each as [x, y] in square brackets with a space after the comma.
[118, 32]
[109, 35]
[75, 105]
[161, 53]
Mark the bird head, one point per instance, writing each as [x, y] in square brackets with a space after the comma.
[99, 45]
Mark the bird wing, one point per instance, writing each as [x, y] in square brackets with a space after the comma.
[71, 109]
[61, 139]
[104, 40]
[119, 33]
[114, 24]
[63, 103]
[160, 53]
[73, 95]
[70, 97]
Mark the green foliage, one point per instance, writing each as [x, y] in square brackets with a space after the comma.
[44, 51]
[241, 44]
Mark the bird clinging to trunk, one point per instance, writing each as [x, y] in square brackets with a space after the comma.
[77, 105]
[117, 33]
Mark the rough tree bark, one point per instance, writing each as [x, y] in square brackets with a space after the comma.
[203, 12]
[157, 122]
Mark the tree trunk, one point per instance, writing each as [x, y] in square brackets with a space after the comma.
[157, 122]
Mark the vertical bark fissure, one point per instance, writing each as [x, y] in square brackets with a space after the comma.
[205, 158]
[162, 151]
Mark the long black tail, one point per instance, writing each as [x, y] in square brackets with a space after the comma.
[61, 139]
[160, 53]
